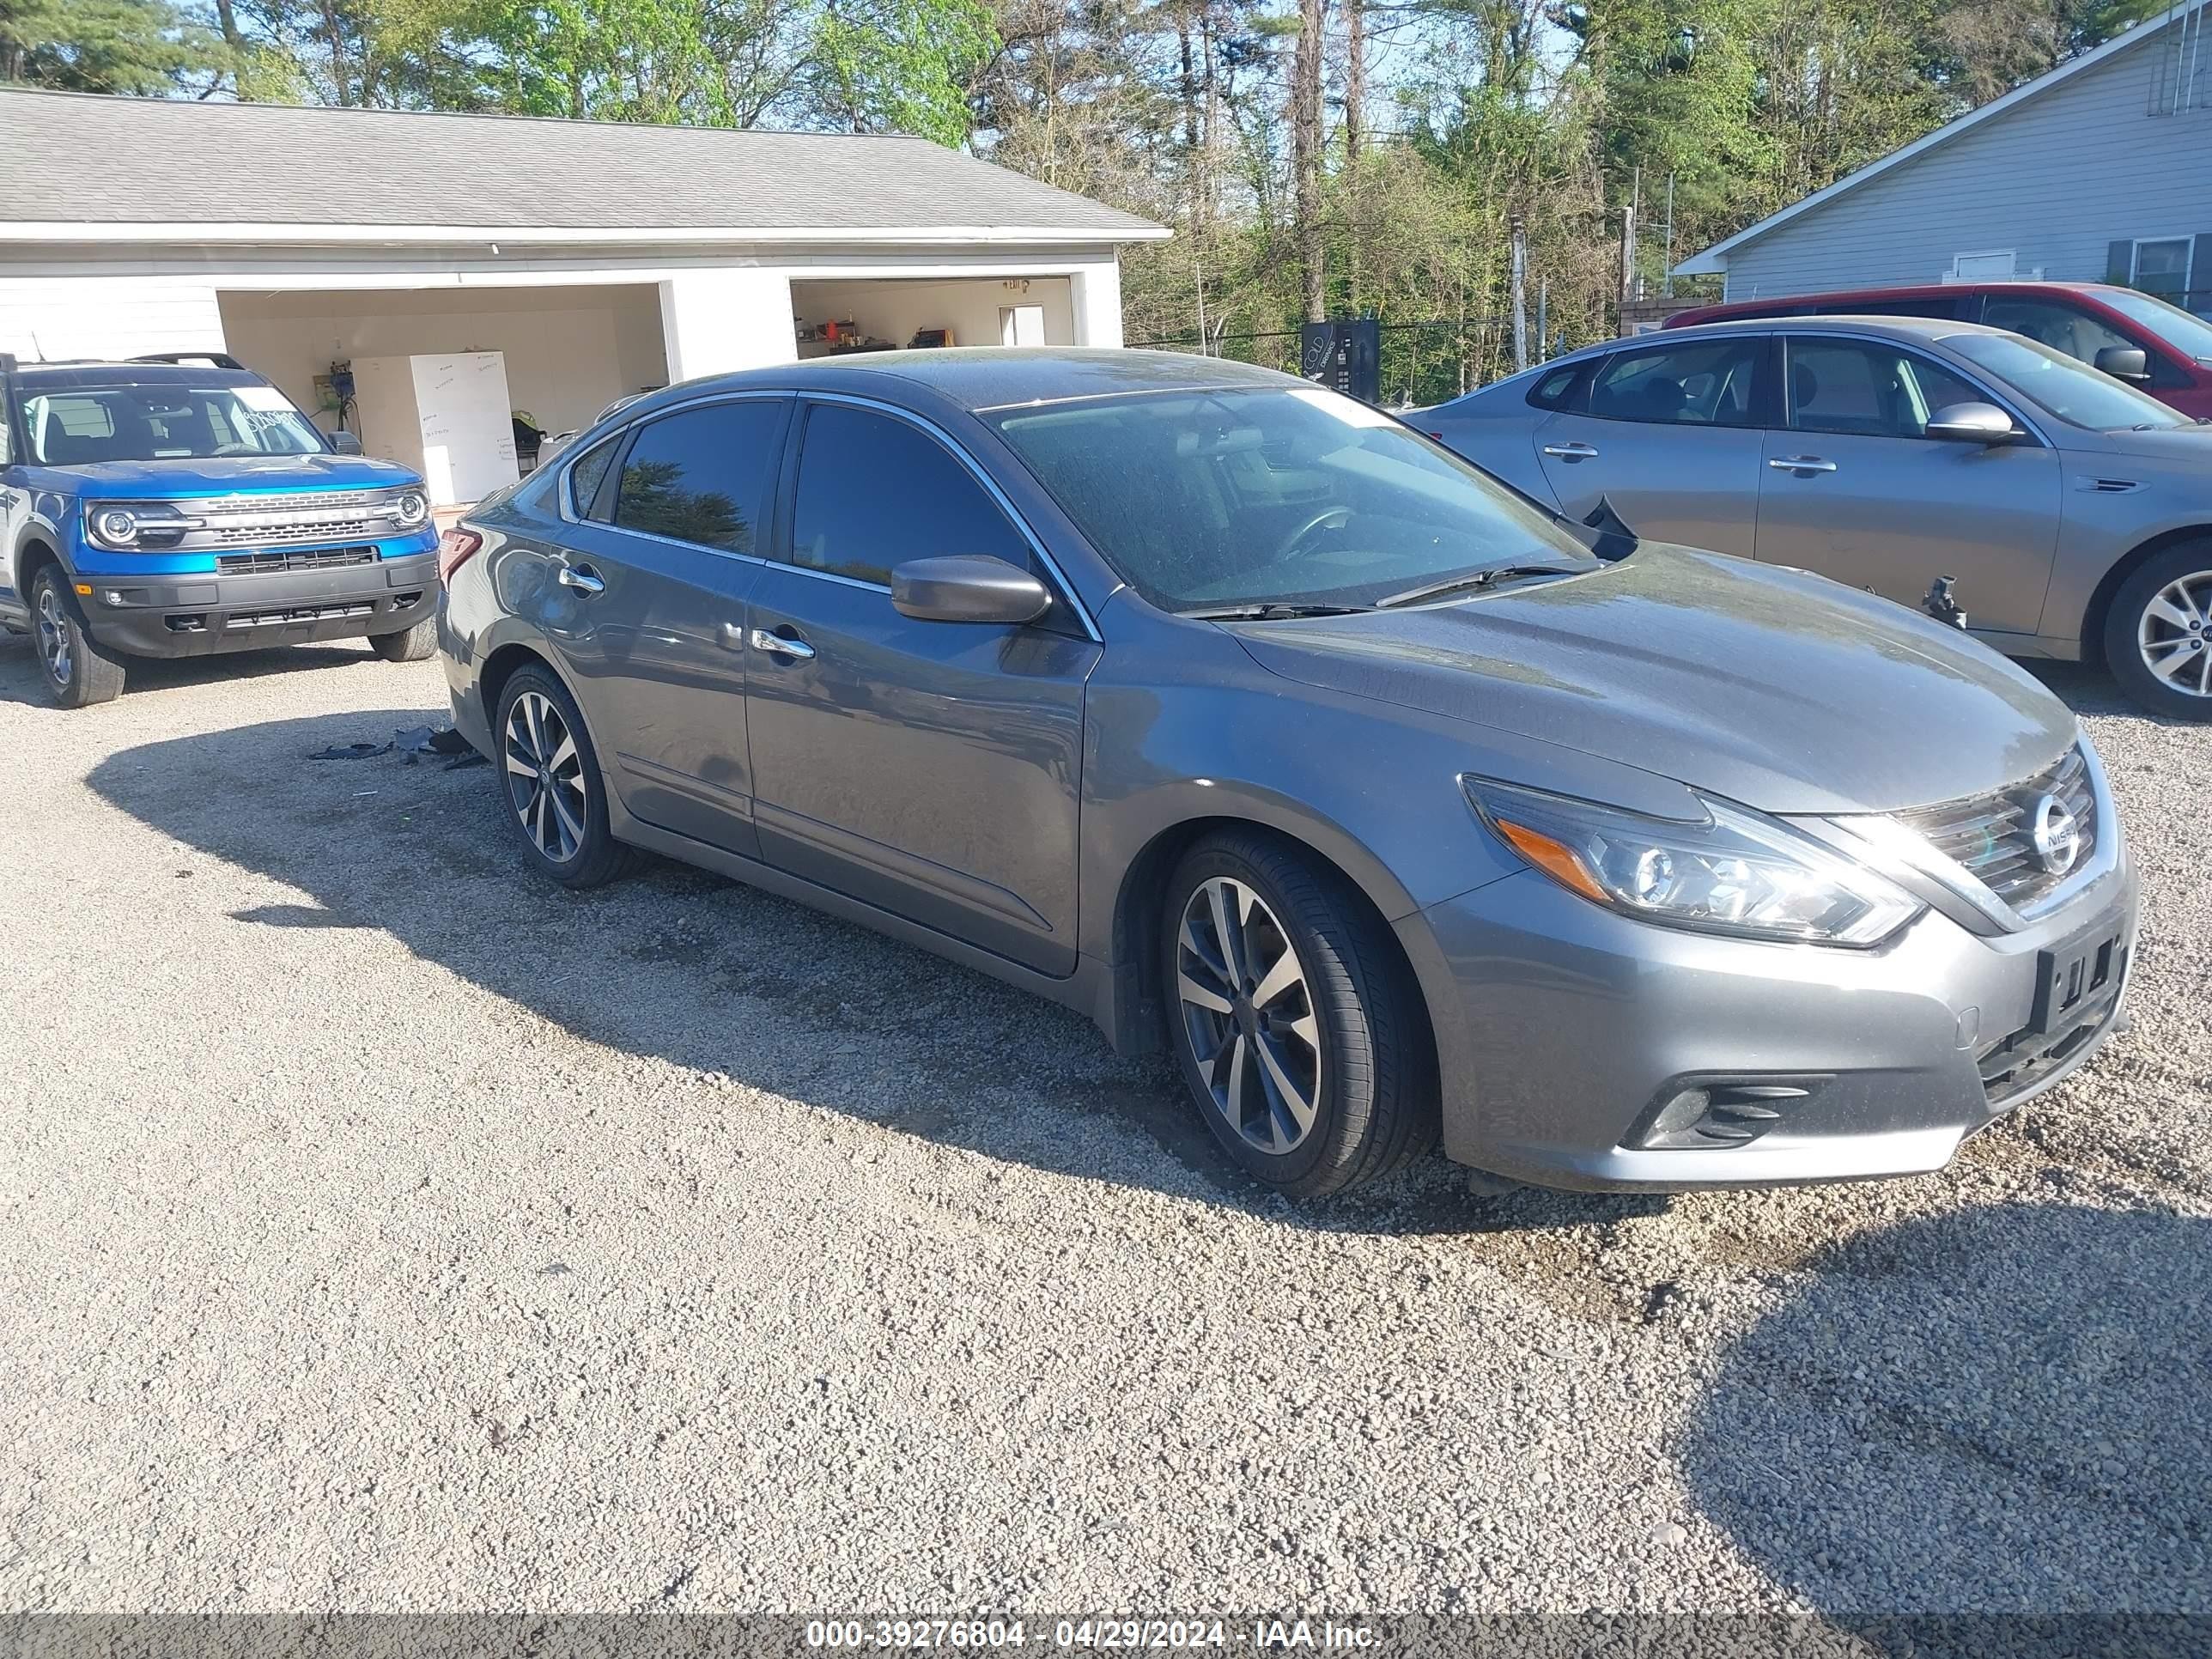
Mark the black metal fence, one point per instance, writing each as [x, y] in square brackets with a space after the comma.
[1422, 362]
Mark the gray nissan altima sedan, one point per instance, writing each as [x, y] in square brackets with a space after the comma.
[1253, 724]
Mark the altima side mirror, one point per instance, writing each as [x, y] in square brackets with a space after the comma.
[1972, 423]
[969, 587]
[2128, 363]
[345, 443]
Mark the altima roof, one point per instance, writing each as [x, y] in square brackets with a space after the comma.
[75, 157]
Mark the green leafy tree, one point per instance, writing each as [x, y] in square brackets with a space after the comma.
[106, 45]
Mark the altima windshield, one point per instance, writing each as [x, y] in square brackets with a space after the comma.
[2065, 385]
[82, 425]
[2190, 334]
[1203, 500]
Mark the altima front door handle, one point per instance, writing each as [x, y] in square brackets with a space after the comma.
[1801, 463]
[581, 577]
[777, 645]
[1572, 452]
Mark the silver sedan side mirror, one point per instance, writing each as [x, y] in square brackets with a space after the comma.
[1973, 423]
[969, 587]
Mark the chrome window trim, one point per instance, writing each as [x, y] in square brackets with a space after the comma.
[991, 487]
[1967, 372]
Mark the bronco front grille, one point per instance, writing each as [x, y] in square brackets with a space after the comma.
[1992, 837]
[324, 558]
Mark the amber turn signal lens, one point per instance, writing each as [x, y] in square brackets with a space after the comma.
[1554, 858]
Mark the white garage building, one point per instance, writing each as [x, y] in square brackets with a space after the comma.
[598, 258]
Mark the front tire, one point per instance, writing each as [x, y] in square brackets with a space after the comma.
[550, 785]
[2158, 634]
[80, 670]
[1296, 1024]
[416, 644]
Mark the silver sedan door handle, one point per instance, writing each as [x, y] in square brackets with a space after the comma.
[1572, 452]
[1801, 463]
[581, 577]
[777, 645]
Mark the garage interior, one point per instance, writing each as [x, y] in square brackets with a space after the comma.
[831, 318]
[567, 352]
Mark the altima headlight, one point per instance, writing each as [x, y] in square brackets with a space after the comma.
[1736, 873]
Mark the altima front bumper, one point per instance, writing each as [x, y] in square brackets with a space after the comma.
[1580, 1049]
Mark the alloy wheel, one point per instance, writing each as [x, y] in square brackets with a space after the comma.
[2174, 633]
[545, 776]
[53, 634]
[1249, 1015]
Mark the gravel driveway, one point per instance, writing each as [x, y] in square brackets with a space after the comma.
[382, 1229]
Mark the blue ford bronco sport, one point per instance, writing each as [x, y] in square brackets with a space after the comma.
[176, 506]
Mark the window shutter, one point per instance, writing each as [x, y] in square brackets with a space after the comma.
[2199, 297]
[2120, 263]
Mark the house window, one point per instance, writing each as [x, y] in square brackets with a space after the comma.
[2162, 268]
[2000, 265]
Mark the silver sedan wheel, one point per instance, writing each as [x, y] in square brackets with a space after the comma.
[1250, 1015]
[2174, 633]
[53, 634]
[545, 776]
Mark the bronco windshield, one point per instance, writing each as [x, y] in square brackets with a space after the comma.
[84, 425]
[1268, 495]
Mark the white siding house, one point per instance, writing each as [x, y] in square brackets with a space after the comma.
[601, 259]
[2101, 171]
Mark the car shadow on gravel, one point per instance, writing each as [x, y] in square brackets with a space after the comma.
[684, 966]
[176, 673]
[1996, 1409]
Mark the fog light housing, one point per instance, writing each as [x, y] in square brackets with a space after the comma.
[1715, 1113]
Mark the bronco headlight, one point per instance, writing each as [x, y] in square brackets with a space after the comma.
[1737, 873]
[129, 526]
[411, 508]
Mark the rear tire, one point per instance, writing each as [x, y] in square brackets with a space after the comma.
[550, 782]
[1336, 1084]
[416, 644]
[2158, 633]
[80, 670]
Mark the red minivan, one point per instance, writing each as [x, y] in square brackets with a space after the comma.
[2135, 336]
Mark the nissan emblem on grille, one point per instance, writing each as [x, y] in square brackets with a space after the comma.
[2057, 835]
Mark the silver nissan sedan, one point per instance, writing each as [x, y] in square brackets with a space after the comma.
[2072, 512]
[1258, 727]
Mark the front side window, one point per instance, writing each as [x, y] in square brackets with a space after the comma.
[2190, 334]
[701, 475]
[1290, 494]
[1702, 383]
[84, 426]
[2062, 327]
[2067, 388]
[875, 491]
[1865, 389]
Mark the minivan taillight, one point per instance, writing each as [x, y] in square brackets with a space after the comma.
[455, 548]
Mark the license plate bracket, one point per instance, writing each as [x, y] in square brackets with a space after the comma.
[2076, 977]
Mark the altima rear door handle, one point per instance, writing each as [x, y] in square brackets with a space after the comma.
[778, 645]
[1801, 463]
[1572, 452]
[581, 577]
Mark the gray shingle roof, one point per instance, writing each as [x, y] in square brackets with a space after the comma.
[67, 156]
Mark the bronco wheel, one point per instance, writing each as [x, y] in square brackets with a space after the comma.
[1297, 1025]
[416, 644]
[80, 670]
[2157, 635]
[550, 778]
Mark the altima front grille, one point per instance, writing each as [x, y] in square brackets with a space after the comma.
[1993, 837]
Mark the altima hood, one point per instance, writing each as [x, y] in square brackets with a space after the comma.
[1782, 691]
[222, 474]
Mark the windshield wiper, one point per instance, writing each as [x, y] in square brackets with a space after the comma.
[1271, 612]
[1472, 581]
